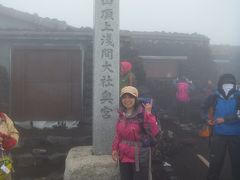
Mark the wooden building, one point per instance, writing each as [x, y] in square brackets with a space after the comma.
[41, 64]
[46, 65]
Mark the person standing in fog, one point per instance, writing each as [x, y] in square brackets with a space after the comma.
[129, 146]
[183, 88]
[209, 89]
[127, 77]
[225, 104]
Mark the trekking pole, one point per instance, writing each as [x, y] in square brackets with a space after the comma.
[209, 137]
[210, 126]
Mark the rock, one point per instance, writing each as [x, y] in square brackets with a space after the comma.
[59, 140]
[173, 178]
[55, 176]
[57, 158]
[34, 141]
[188, 141]
[24, 160]
[81, 164]
[37, 151]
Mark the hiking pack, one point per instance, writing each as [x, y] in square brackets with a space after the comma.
[147, 139]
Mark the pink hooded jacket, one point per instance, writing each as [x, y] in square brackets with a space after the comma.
[125, 67]
[128, 130]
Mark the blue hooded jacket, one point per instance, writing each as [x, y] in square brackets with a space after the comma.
[225, 106]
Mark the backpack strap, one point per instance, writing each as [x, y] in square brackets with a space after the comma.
[209, 106]
[151, 140]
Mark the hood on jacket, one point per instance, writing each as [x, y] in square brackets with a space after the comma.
[125, 67]
[138, 111]
[226, 79]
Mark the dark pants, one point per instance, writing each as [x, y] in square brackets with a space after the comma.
[219, 146]
[128, 171]
[183, 111]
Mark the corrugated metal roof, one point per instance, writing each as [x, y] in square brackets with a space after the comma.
[221, 60]
[164, 57]
[53, 24]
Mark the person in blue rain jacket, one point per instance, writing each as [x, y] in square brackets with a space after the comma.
[225, 104]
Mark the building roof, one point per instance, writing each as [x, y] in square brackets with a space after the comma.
[164, 58]
[221, 60]
[44, 23]
[41, 26]
[155, 36]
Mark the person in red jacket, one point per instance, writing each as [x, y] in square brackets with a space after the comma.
[9, 136]
[127, 77]
[129, 146]
[183, 89]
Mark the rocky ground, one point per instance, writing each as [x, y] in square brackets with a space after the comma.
[41, 154]
[180, 154]
[177, 140]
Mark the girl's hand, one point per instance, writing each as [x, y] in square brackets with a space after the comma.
[114, 155]
[148, 106]
[210, 122]
[219, 120]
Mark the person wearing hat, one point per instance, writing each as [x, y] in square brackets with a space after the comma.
[130, 147]
[225, 103]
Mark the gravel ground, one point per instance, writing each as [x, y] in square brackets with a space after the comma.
[181, 153]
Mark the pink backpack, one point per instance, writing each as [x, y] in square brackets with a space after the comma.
[182, 93]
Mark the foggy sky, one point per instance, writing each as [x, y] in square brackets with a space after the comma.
[217, 19]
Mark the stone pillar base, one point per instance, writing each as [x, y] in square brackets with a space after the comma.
[82, 165]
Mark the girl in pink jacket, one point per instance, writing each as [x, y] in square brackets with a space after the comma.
[130, 146]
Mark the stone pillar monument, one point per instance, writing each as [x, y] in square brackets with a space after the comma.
[106, 74]
[80, 162]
